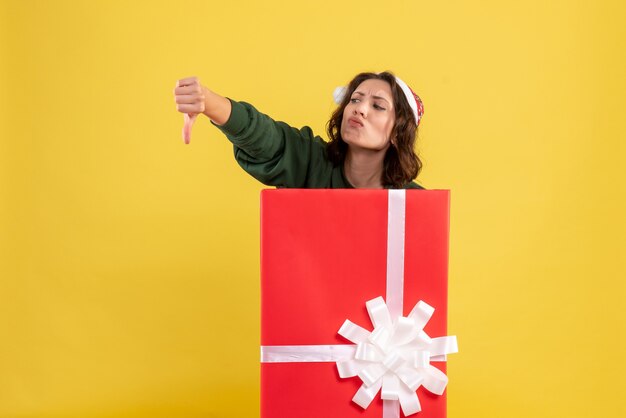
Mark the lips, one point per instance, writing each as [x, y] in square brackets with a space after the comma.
[355, 122]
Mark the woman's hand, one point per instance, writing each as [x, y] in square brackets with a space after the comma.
[189, 96]
[192, 98]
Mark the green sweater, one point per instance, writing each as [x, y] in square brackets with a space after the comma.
[279, 155]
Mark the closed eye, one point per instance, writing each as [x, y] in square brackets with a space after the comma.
[379, 107]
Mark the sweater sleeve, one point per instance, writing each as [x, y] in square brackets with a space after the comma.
[275, 153]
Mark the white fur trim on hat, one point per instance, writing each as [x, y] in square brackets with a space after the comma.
[339, 94]
[409, 97]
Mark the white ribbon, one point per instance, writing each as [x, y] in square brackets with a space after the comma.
[395, 357]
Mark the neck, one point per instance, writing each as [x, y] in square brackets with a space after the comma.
[364, 168]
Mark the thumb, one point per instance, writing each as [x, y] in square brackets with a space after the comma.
[190, 118]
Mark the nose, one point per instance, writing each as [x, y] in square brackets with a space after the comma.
[360, 108]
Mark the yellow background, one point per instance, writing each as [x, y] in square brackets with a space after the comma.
[129, 262]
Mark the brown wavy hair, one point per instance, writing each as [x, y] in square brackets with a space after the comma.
[401, 164]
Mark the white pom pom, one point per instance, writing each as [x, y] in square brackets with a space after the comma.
[339, 94]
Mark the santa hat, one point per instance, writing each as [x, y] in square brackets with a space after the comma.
[414, 100]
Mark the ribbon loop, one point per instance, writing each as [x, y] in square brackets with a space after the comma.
[408, 401]
[405, 331]
[372, 373]
[378, 312]
[380, 337]
[367, 352]
[421, 313]
[352, 332]
[365, 395]
[435, 380]
[350, 368]
[391, 388]
[410, 377]
[421, 359]
[444, 345]
[423, 338]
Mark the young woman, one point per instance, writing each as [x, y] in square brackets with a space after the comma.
[372, 136]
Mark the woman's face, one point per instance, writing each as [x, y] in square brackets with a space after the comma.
[369, 117]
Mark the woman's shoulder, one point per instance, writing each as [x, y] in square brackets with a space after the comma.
[413, 185]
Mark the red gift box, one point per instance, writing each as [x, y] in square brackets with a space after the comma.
[324, 253]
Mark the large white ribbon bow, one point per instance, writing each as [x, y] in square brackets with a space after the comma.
[395, 356]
